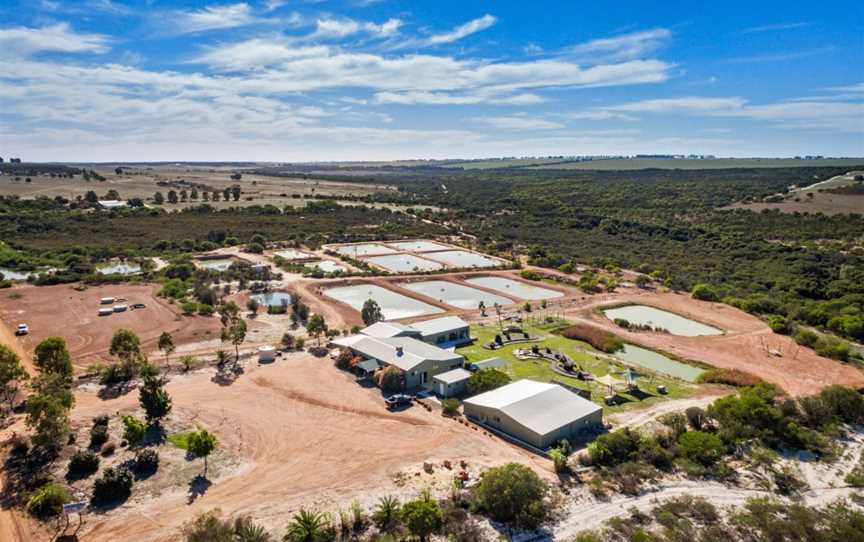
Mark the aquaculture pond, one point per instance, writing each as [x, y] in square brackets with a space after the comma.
[418, 246]
[327, 266]
[393, 305]
[675, 324]
[367, 249]
[404, 263]
[659, 363]
[216, 264]
[515, 287]
[9, 274]
[463, 258]
[293, 254]
[457, 295]
[272, 299]
[119, 269]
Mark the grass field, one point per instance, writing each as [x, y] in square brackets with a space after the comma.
[583, 354]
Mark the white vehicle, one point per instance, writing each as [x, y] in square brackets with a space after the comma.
[23, 329]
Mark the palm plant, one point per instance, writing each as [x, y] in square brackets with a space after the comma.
[386, 514]
[307, 526]
[246, 530]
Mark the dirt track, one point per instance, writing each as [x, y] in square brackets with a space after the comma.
[305, 434]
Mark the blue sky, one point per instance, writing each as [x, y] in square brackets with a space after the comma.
[302, 80]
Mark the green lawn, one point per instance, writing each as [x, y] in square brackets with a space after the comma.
[582, 354]
[180, 440]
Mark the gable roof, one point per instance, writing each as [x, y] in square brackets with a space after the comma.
[439, 325]
[539, 406]
[388, 329]
[414, 351]
[452, 376]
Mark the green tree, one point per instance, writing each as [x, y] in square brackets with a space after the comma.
[201, 444]
[512, 493]
[12, 373]
[154, 399]
[134, 430]
[704, 292]
[235, 333]
[486, 380]
[701, 447]
[422, 517]
[48, 417]
[125, 345]
[316, 326]
[51, 356]
[386, 513]
[166, 344]
[371, 312]
[48, 501]
[308, 526]
[158, 198]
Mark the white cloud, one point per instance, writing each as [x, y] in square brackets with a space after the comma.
[471, 27]
[55, 38]
[444, 98]
[598, 115]
[340, 28]
[273, 5]
[518, 123]
[623, 47]
[213, 18]
[677, 105]
[774, 27]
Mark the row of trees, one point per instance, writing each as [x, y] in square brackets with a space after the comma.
[182, 196]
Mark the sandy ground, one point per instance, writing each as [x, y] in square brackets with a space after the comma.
[812, 199]
[306, 435]
[62, 311]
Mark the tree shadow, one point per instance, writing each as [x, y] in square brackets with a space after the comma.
[114, 391]
[198, 486]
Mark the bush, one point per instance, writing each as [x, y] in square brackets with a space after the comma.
[486, 380]
[779, 324]
[704, 292]
[48, 501]
[82, 464]
[730, 377]
[99, 435]
[596, 337]
[450, 407]
[146, 462]
[703, 448]
[115, 485]
[390, 379]
[512, 493]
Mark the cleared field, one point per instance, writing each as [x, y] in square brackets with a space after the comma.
[718, 163]
[815, 198]
[276, 420]
[62, 311]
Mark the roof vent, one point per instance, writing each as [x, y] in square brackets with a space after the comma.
[399, 351]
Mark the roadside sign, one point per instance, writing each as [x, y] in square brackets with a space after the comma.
[74, 507]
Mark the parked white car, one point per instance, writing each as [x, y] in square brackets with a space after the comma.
[23, 329]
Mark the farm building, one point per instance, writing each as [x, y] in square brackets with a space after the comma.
[111, 203]
[418, 360]
[536, 413]
[451, 383]
[443, 332]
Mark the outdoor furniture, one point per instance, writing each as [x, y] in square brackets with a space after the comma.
[661, 389]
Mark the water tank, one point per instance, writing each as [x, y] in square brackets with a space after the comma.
[266, 354]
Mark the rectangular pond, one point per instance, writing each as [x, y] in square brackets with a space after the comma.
[119, 269]
[327, 266]
[515, 287]
[9, 274]
[393, 305]
[367, 249]
[418, 246]
[675, 324]
[457, 295]
[216, 264]
[293, 254]
[404, 263]
[463, 258]
[272, 299]
[658, 363]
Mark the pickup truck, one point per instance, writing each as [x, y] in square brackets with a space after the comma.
[397, 400]
[23, 329]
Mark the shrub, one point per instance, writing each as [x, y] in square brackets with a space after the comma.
[390, 379]
[779, 324]
[704, 292]
[48, 501]
[134, 430]
[450, 407]
[559, 460]
[82, 464]
[512, 493]
[596, 337]
[422, 517]
[703, 448]
[730, 377]
[486, 380]
[530, 275]
[99, 435]
[114, 485]
[146, 462]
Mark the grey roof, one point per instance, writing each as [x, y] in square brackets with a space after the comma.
[388, 329]
[539, 406]
[452, 376]
[108, 203]
[370, 365]
[414, 352]
[439, 325]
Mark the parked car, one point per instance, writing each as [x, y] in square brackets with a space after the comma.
[397, 400]
[23, 329]
[138, 306]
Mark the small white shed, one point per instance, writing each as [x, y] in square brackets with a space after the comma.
[453, 382]
[266, 354]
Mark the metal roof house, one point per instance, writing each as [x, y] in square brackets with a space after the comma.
[419, 361]
[443, 332]
[538, 414]
[451, 383]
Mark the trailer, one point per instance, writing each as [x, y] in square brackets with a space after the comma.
[106, 301]
[120, 308]
[106, 312]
